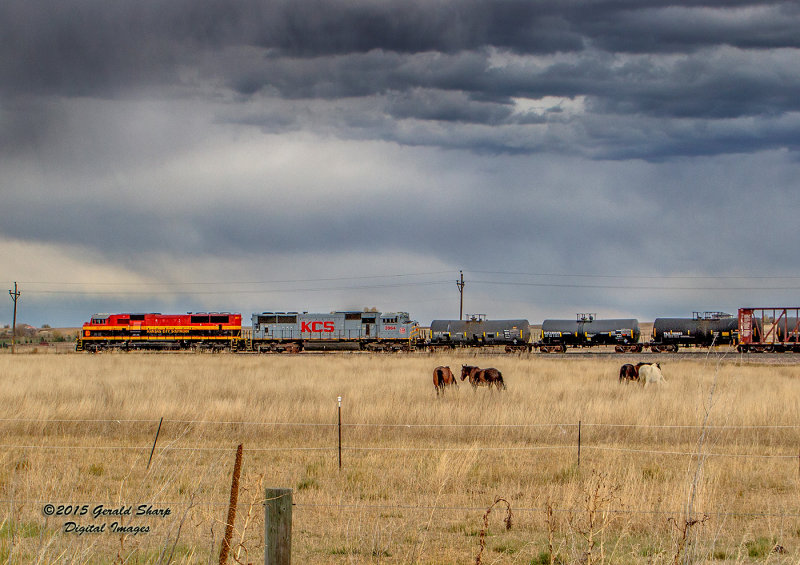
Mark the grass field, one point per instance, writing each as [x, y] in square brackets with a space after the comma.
[418, 472]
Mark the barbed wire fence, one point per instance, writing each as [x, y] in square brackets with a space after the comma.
[569, 445]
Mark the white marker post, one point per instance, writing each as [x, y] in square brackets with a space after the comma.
[339, 400]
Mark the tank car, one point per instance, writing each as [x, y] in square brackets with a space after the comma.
[198, 330]
[703, 329]
[588, 331]
[477, 331]
[296, 331]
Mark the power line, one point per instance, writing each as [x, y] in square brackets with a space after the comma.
[599, 276]
[634, 287]
[230, 291]
[276, 281]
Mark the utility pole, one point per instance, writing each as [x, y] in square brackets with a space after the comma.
[14, 297]
[460, 285]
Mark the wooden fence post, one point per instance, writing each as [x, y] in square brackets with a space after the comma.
[226, 540]
[579, 443]
[278, 525]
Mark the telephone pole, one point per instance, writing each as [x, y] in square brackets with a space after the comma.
[14, 297]
[460, 285]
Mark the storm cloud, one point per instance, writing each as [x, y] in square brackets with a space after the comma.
[554, 151]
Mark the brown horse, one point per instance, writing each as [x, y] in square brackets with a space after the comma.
[442, 377]
[483, 377]
[628, 373]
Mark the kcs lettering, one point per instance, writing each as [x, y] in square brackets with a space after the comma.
[317, 327]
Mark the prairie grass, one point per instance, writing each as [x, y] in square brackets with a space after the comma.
[418, 472]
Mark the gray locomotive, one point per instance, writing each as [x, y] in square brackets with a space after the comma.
[296, 331]
[477, 331]
[703, 329]
[588, 331]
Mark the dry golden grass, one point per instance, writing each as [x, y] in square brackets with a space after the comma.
[418, 472]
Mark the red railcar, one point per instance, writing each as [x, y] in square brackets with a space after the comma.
[769, 329]
[194, 330]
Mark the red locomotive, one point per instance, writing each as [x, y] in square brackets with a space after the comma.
[194, 330]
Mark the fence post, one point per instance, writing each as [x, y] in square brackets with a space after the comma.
[278, 524]
[226, 540]
[579, 443]
[340, 432]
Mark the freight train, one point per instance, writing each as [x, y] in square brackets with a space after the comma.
[754, 330]
[270, 331]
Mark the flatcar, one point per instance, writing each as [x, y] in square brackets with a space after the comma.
[297, 331]
[193, 330]
[477, 331]
[703, 329]
[588, 331]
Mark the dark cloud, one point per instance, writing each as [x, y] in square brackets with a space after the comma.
[618, 136]
[431, 62]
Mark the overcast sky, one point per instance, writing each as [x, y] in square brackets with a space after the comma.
[624, 157]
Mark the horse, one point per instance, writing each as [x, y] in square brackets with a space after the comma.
[628, 372]
[483, 377]
[650, 373]
[442, 377]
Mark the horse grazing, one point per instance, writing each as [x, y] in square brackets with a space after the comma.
[628, 373]
[483, 377]
[442, 377]
[650, 374]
